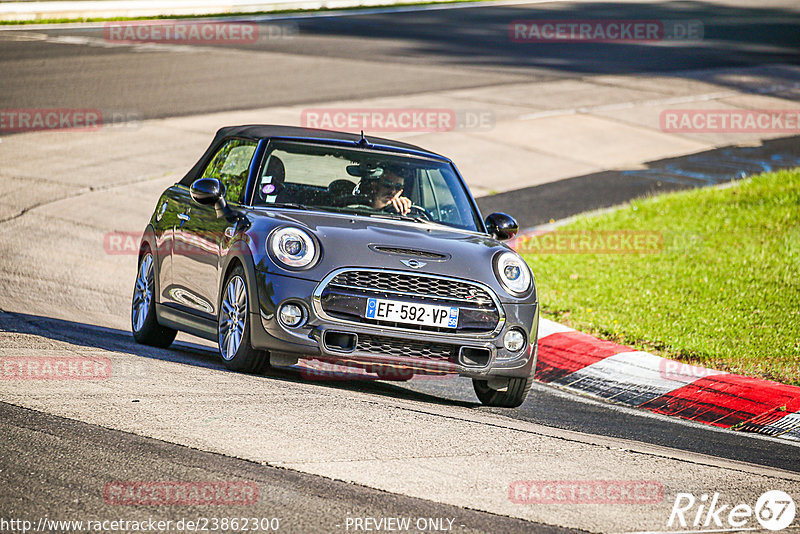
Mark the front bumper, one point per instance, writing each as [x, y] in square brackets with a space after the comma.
[369, 345]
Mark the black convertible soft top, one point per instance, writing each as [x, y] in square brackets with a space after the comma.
[265, 131]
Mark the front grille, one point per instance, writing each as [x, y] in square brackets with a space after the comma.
[413, 285]
[388, 346]
[345, 297]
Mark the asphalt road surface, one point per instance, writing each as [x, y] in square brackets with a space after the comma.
[320, 451]
[304, 60]
[80, 454]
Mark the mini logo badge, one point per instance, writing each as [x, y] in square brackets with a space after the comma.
[414, 264]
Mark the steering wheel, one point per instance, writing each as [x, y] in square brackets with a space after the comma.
[422, 212]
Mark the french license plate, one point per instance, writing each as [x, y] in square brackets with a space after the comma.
[404, 312]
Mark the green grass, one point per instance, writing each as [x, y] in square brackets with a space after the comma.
[237, 15]
[724, 292]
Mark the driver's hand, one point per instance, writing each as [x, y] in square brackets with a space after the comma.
[401, 205]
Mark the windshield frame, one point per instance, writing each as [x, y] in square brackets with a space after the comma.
[266, 147]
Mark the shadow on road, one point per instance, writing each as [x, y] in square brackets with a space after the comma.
[557, 200]
[182, 352]
[730, 36]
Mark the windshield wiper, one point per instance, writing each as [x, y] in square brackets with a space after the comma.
[379, 215]
[412, 218]
[290, 205]
[305, 207]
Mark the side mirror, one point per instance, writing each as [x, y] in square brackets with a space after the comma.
[207, 191]
[501, 226]
[210, 191]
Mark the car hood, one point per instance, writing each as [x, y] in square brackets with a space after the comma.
[349, 241]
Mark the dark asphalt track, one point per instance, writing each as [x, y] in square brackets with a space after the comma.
[81, 459]
[545, 405]
[359, 56]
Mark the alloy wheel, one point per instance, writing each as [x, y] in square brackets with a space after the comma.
[142, 292]
[233, 317]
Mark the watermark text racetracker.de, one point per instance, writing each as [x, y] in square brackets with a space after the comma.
[730, 120]
[683, 372]
[588, 242]
[201, 242]
[383, 120]
[18, 120]
[196, 32]
[585, 492]
[534, 242]
[55, 368]
[604, 31]
[331, 371]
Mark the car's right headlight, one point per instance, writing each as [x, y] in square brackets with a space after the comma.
[292, 247]
[513, 273]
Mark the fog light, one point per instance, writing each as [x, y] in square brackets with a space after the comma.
[514, 340]
[291, 315]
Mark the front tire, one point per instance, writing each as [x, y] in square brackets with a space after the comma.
[233, 327]
[144, 324]
[512, 397]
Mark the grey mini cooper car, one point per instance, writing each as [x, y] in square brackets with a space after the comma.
[286, 243]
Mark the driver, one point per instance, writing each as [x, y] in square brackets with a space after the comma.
[386, 191]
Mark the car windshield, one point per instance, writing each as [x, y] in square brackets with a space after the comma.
[364, 182]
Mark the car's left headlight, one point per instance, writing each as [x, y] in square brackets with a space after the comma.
[513, 273]
[292, 247]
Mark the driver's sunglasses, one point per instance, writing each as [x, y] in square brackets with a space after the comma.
[390, 184]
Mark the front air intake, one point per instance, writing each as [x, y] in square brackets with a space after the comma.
[339, 341]
[474, 356]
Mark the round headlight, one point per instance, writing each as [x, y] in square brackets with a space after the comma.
[513, 273]
[292, 247]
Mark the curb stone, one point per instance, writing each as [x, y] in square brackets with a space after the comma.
[584, 364]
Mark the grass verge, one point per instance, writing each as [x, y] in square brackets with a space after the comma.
[723, 292]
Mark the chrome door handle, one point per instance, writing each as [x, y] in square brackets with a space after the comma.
[161, 211]
[183, 216]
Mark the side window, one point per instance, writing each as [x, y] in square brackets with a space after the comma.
[437, 198]
[230, 166]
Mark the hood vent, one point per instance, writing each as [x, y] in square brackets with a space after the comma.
[433, 256]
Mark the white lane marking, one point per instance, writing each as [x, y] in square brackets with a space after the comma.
[408, 9]
[632, 378]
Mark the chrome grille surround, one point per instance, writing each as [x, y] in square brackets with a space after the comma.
[412, 285]
[438, 283]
